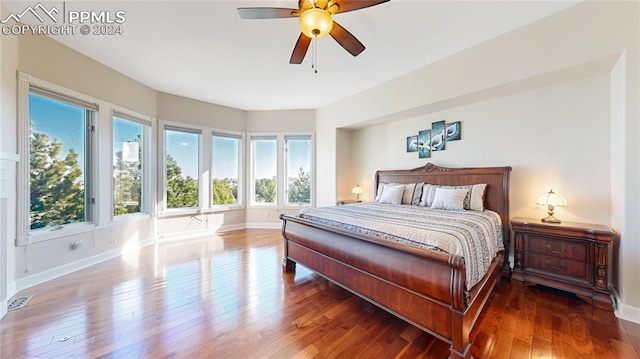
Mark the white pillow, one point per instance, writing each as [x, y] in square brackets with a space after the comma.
[381, 186]
[392, 194]
[449, 199]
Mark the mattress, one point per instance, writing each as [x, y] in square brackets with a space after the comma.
[474, 235]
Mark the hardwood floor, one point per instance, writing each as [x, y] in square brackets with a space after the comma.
[226, 297]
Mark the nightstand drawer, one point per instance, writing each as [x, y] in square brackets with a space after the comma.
[559, 266]
[557, 248]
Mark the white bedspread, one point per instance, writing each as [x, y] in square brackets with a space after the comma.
[475, 235]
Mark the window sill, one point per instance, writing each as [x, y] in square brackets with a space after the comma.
[180, 212]
[45, 234]
[218, 209]
[131, 217]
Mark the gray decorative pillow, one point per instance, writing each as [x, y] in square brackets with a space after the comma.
[412, 193]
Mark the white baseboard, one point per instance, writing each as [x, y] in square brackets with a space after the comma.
[3, 307]
[263, 225]
[11, 292]
[628, 312]
[37, 278]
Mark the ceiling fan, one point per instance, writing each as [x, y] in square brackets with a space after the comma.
[315, 22]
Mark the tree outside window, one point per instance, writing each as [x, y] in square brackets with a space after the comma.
[57, 150]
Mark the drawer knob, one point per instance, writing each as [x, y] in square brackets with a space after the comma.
[555, 268]
[553, 251]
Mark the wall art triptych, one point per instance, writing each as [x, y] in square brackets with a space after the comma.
[434, 139]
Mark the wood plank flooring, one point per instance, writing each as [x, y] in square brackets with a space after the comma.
[226, 297]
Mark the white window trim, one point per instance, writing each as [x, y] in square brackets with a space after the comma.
[251, 179]
[281, 183]
[25, 235]
[148, 156]
[285, 200]
[241, 172]
[205, 176]
[162, 170]
[102, 209]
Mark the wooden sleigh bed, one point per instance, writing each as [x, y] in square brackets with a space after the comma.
[423, 287]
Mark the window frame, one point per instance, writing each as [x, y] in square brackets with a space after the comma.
[162, 194]
[281, 180]
[146, 204]
[252, 182]
[241, 180]
[291, 136]
[205, 172]
[25, 235]
[99, 163]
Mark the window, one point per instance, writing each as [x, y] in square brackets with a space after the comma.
[128, 164]
[298, 169]
[182, 150]
[225, 169]
[264, 170]
[60, 151]
[282, 169]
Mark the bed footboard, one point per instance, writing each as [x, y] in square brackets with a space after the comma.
[425, 288]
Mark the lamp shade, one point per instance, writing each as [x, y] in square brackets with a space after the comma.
[315, 23]
[357, 190]
[551, 199]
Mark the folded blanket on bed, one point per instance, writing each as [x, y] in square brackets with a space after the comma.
[474, 235]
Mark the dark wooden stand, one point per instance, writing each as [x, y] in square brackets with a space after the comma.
[575, 257]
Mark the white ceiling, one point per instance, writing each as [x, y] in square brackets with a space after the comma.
[203, 50]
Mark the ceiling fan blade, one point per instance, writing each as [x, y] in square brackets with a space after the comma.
[266, 12]
[346, 39]
[300, 50]
[338, 6]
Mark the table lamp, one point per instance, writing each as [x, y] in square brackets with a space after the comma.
[551, 200]
[357, 190]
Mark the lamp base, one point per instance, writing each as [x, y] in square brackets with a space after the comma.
[551, 219]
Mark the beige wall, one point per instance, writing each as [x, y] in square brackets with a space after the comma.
[47, 59]
[576, 71]
[554, 137]
[290, 121]
[348, 156]
[181, 109]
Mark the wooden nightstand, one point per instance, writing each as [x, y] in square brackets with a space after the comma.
[575, 257]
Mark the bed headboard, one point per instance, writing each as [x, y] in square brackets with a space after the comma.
[496, 178]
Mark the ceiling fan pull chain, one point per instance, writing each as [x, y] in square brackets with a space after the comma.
[315, 54]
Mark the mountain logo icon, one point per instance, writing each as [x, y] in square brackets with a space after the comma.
[36, 12]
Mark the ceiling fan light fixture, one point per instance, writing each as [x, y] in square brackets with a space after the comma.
[316, 23]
